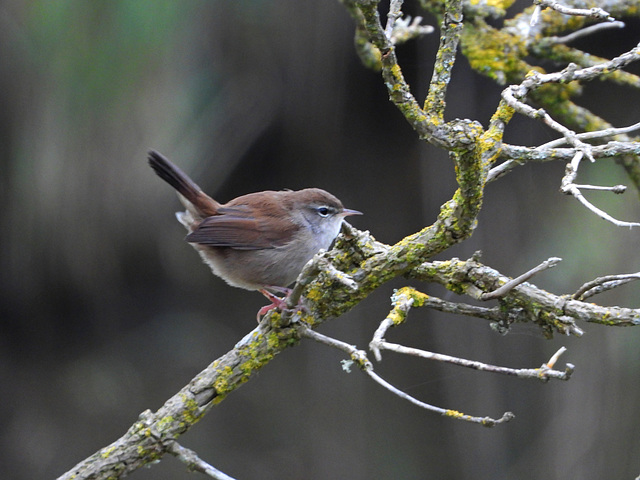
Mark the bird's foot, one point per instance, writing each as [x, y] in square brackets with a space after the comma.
[276, 302]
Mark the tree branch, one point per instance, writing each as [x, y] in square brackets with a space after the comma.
[153, 434]
[360, 358]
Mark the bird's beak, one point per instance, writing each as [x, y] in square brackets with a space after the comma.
[346, 212]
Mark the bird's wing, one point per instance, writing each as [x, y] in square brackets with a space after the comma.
[235, 227]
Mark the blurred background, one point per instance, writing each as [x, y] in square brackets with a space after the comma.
[105, 311]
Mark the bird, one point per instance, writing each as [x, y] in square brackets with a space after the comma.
[259, 241]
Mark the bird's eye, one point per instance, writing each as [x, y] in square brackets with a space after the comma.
[323, 211]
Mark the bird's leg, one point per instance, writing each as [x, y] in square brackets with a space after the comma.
[276, 302]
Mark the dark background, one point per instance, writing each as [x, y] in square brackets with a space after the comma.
[106, 312]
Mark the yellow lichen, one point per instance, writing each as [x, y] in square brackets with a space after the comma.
[454, 414]
[107, 452]
[164, 423]
[494, 53]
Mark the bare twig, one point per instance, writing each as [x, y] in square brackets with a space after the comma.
[378, 337]
[402, 303]
[550, 151]
[194, 462]
[457, 308]
[544, 373]
[398, 29]
[535, 16]
[571, 72]
[617, 189]
[406, 29]
[503, 168]
[607, 132]
[395, 13]
[515, 96]
[602, 284]
[554, 358]
[518, 155]
[583, 32]
[360, 358]
[510, 285]
[581, 12]
[570, 188]
[405, 298]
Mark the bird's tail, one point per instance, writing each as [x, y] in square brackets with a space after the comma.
[203, 204]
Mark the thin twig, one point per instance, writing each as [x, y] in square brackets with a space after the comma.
[554, 358]
[395, 12]
[510, 285]
[601, 213]
[405, 298]
[535, 16]
[581, 12]
[405, 29]
[514, 96]
[617, 189]
[544, 373]
[570, 188]
[378, 337]
[500, 170]
[494, 314]
[602, 284]
[607, 132]
[583, 32]
[398, 29]
[359, 357]
[518, 155]
[194, 462]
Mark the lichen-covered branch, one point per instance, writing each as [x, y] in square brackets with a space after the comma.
[445, 58]
[154, 434]
[524, 303]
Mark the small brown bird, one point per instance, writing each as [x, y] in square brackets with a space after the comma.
[258, 241]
